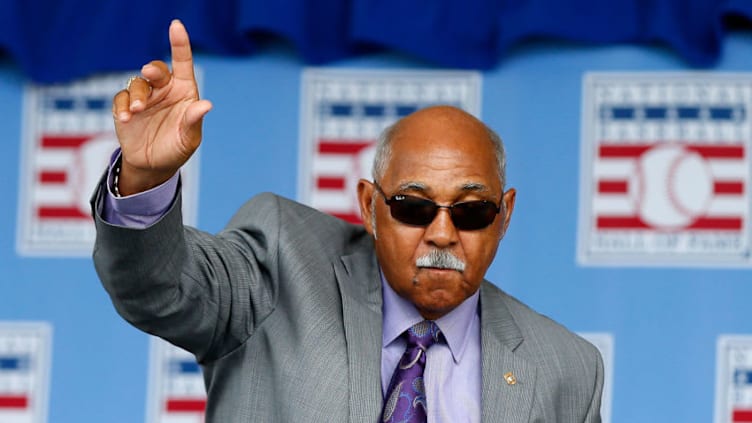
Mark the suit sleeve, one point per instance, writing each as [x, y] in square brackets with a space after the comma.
[202, 292]
[594, 412]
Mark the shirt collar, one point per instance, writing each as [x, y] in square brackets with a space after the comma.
[399, 314]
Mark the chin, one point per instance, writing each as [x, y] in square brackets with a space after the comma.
[436, 309]
[439, 279]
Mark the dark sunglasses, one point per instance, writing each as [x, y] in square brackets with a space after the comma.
[466, 216]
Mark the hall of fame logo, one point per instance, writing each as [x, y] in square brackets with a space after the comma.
[176, 386]
[604, 342]
[67, 142]
[733, 388]
[665, 169]
[344, 111]
[24, 371]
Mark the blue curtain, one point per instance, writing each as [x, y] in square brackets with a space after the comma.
[60, 40]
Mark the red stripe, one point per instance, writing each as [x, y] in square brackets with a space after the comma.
[707, 151]
[19, 401]
[192, 405]
[613, 187]
[61, 213]
[324, 182]
[348, 217]
[64, 141]
[728, 187]
[47, 177]
[741, 416]
[718, 151]
[620, 222]
[342, 146]
[717, 223]
[623, 151]
[703, 223]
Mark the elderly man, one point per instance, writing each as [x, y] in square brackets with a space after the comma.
[296, 316]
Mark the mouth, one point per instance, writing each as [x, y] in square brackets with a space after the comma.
[439, 269]
[436, 277]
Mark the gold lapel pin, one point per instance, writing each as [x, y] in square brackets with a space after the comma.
[510, 379]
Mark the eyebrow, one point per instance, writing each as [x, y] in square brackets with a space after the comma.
[474, 187]
[421, 187]
[413, 186]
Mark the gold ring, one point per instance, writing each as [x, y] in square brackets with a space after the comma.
[130, 81]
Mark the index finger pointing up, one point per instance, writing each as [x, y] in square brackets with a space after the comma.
[180, 45]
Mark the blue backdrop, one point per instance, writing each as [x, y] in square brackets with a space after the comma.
[665, 321]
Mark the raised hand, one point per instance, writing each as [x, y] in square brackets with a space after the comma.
[158, 118]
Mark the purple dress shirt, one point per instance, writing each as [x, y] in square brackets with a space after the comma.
[453, 372]
[138, 210]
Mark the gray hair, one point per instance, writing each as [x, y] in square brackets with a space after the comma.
[384, 152]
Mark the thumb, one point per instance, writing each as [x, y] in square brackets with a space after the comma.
[193, 120]
[196, 111]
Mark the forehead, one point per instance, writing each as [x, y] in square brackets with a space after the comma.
[443, 148]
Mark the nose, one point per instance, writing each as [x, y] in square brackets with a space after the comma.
[441, 232]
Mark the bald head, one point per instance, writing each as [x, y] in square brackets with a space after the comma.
[437, 120]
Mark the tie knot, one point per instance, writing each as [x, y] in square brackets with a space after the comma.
[423, 334]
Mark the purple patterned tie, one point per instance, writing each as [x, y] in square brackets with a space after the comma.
[406, 396]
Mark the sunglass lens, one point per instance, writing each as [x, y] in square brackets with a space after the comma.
[413, 210]
[473, 215]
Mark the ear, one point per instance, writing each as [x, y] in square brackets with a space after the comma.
[508, 200]
[365, 198]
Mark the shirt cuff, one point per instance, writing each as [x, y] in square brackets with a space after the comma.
[138, 210]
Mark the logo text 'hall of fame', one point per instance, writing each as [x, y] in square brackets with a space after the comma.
[665, 170]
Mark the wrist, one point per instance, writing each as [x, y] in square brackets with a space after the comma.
[128, 180]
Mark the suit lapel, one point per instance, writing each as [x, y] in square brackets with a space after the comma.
[360, 286]
[508, 383]
[502, 399]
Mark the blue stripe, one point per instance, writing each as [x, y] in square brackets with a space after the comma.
[406, 109]
[717, 113]
[97, 104]
[374, 110]
[185, 366]
[341, 109]
[14, 363]
[688, 112]
[622, 113]
[63, 104]
[742, 377]
[722, 113]
[656, 112]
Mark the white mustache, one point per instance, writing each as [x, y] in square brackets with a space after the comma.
[441, 259]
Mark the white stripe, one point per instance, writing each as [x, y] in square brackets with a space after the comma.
[614, 168]
[613, 204]
[727, 205]
[334, 201]
[47, 159]
[55, 195]
[728, 169]
[333, 164]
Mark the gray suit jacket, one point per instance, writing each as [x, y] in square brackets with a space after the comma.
[283, 311]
